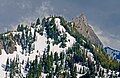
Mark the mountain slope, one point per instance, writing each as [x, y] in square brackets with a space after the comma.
[52, 48]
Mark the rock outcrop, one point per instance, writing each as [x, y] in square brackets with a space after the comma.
[84, 28]
[7, 43]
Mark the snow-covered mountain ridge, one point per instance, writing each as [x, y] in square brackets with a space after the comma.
[51, 49]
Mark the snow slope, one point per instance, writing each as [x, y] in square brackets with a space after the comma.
[70, 39]
[40, 45]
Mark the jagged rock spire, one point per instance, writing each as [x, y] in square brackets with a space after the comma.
[85, 29]
[83, 18]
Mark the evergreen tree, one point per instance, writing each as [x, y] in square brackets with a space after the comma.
[73, 72]
[63, 40]
[51, 59]
[7, 65]
[57, 69]
[30, 37]
[100, 73]
[12, 68]
[36, 66]
[18, 28]
[27, 65]
[119, 74]
[34, 38]
[83, 70]
[31, 70]
[48, 48]
[56, 57]
[80, 71]
[61, 55]
[0, 52]
[38, 21]
[39, 69]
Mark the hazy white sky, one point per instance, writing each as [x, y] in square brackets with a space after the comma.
[103, 15]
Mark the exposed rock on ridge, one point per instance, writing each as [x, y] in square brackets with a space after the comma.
[84, 28]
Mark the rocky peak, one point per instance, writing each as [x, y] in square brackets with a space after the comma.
[83, 18]
[85, 29]
[80, 20]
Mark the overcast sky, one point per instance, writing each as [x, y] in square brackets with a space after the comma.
[103, 15]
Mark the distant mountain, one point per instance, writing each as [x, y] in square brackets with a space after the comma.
[115, 54]
[85, 29]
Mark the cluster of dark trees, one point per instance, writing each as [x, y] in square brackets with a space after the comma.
[54, 33]
[28, 36]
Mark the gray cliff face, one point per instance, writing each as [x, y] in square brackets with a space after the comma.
[84, 28]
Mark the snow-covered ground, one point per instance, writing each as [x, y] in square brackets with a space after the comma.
[70, 39]
[40, 45]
